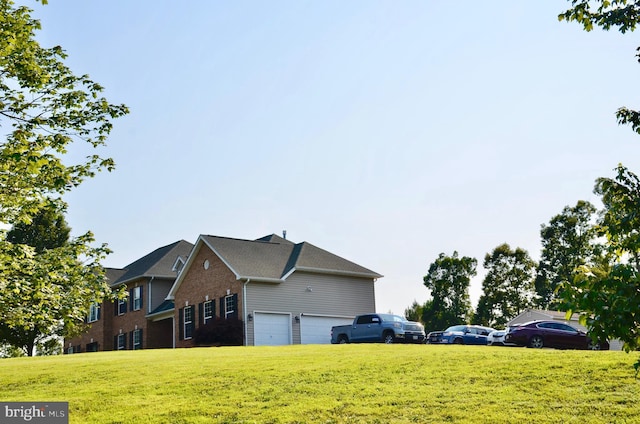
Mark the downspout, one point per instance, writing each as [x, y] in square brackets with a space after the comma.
[245, 313]
[149, 294]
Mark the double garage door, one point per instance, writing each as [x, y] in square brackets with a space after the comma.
[274, 329]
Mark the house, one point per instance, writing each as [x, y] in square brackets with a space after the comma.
[282, 292]
[285, 293]
[537, 314]
[124, 324]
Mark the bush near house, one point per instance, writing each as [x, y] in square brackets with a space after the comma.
[220, 332]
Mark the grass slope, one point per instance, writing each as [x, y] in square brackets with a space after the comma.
[332, 384]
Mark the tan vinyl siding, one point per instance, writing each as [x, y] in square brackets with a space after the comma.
[308, 293]
[158, 290]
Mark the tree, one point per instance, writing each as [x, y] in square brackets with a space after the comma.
[448, 280]
[414, 312]
[621, 14]
[47, 230]
[48, 108]
[568, 241]
[507, 289]
[607, 295]
[44, 110]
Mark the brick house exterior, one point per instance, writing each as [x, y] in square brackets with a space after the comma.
[124, 324]
[284, 293]
[281, 293]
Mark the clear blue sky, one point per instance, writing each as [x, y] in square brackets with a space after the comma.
[385, 132]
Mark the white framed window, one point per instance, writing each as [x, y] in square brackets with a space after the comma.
[137, 298]
[94, 313]
[122, 306]
[188, 322]
[208, 311]
[122, 341]
[137, 339]
[229, 306]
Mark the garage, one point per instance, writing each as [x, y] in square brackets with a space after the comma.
[271, 329]
[316, 329]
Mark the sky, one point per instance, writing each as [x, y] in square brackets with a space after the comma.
[384, 132]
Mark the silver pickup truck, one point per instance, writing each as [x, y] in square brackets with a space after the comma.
[380, 328]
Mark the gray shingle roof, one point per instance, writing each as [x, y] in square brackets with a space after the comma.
[273, 258]
[158, 263]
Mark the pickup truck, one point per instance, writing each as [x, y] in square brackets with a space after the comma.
[372, 328]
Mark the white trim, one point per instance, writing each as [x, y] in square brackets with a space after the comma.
[304, 314]
[311, 270]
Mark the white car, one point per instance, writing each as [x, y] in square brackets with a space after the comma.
[496, 338]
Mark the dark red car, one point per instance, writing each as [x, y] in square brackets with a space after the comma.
[538, 334]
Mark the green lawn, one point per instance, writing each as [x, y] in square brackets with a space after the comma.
[332, 384]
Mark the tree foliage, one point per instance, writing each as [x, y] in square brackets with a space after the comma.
[508, 286]
[448, 280]
[414, 312]
[46, 230]
[45, 110]
[48, 108]
[569, 240]
[608, 295]
[621, 14]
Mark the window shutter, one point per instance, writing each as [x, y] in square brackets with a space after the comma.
[213, 309]
[115, 308]
[222, 308]
[141, 343]
[99, 309]
[235, 306]
[200, 314]
[131, 302]
[181, 324]
[115, 343]
[141, 297]
[131, 340]
[193, 320]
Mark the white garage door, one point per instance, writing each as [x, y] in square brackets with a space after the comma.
[317, 330]
[271, 329]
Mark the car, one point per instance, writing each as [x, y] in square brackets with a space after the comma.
[460, 334]
[554, 334]
[496, 338]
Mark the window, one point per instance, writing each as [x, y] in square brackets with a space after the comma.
[365, 319]
[229, 306]
[94, 313]
[136, 295]
[178, 265]
[92, 347]
[188, 322]
[137, 339]
[122, 306]
[208, 311]
[121, 341]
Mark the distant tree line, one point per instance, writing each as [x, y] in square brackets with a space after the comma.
[514, 281]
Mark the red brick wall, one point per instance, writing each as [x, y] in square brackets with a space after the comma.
[198, 283]
[98, 331]
[132, 320]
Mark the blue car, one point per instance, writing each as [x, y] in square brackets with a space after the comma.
[460, 334]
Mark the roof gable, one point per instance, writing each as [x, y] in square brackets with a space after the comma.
[158, 263]
[272, 259]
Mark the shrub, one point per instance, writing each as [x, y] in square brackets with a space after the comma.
[220, 332]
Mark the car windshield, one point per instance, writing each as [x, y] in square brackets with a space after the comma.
[456, 328]
[392, 318]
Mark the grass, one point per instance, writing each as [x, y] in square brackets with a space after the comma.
[332, 384]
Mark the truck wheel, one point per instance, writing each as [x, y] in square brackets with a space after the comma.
[388, 337]
[343, 339]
